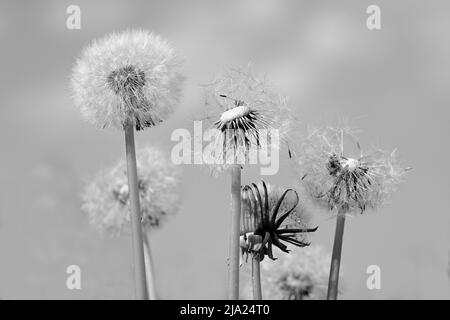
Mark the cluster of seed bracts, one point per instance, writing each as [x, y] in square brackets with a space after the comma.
[351, 182]
[266, 220]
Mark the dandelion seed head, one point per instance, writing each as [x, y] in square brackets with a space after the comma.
[301, 275]
[337, 179]
[106, 197]
[134, 75]
[245, 109]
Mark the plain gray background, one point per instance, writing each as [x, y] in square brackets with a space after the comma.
[392, 84]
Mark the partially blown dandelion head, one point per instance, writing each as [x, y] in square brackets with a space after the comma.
[106, 198]
[271, 216]
[301, 275]
[130, 76]
[247, 114]
[339, 179]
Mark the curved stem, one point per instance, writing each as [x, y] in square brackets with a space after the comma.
[256, 277]
[233, 269]
[136, 229]
[336, 257]
[149, 268]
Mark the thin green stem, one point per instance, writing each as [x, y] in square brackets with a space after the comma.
[333, 280]
[233, 271]
[136, 229]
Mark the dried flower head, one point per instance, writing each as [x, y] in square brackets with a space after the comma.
[106, 198]
[271, 216]
[247, 115]
[301, 275]
[134, 75]
[338, 179]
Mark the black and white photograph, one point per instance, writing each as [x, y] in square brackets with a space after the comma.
[224, 151]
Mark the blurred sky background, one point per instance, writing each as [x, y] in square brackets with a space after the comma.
[392, 84]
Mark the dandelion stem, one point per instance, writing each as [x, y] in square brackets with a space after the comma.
[256, 277]
[136, 229]
[336, 256]
[149, 269]
[233, 271]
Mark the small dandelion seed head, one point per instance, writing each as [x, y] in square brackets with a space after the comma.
[106, 197]
[339, 179]
[134, 75]
[301, 275]
[245, 110]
